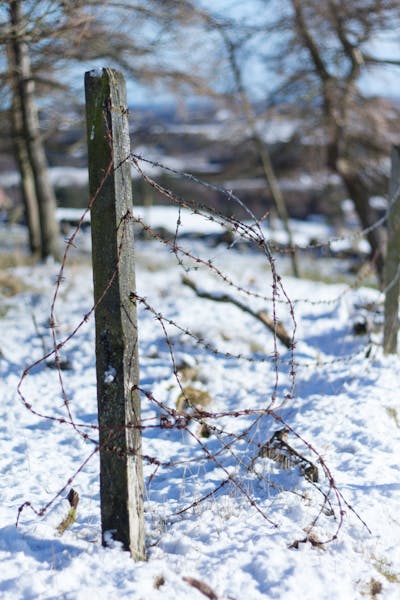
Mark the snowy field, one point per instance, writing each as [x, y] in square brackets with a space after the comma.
[269, 531]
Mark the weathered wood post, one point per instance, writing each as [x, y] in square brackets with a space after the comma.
[121, 477]
[392, 266]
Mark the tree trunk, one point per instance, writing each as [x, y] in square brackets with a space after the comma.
[392, 266]
[34, 154]
[262, 151]
[27, 182]
[31, 208]
[360, 196]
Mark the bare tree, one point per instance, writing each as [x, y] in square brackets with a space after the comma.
[38, 194]
[28, 189]
[318, 48]
[317, 51]
[38, 38]
[194, 21]
[327, 50]
[260, 145]
[33, 35]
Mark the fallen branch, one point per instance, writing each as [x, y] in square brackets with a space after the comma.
[276, 327]
[278, 449]
[203, 587]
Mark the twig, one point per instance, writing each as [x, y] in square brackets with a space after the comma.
[277, 328]
[203, 587]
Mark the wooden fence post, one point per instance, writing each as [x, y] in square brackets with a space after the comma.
[121, 477]
[392, 265]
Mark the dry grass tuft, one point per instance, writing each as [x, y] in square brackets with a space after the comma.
[10, 285]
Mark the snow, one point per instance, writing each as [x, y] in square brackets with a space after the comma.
[72, 215]
[278, 130]
[59, 176]
[109, 375]
[254, 537]
[166, 217]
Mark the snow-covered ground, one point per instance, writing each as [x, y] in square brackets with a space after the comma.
[264, 533]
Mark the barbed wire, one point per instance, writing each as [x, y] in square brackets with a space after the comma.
[243, 446]
[351, 237]
[208, 263]
[258, 239]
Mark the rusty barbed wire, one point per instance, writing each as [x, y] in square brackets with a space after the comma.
[230, 195]
[230, 443]
[249, 234]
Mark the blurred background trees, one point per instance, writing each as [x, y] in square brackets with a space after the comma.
[40, 41]
[332, 41]
[309, 58]
[317, 54]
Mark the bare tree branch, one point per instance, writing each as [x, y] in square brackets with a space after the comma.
[276, 328]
